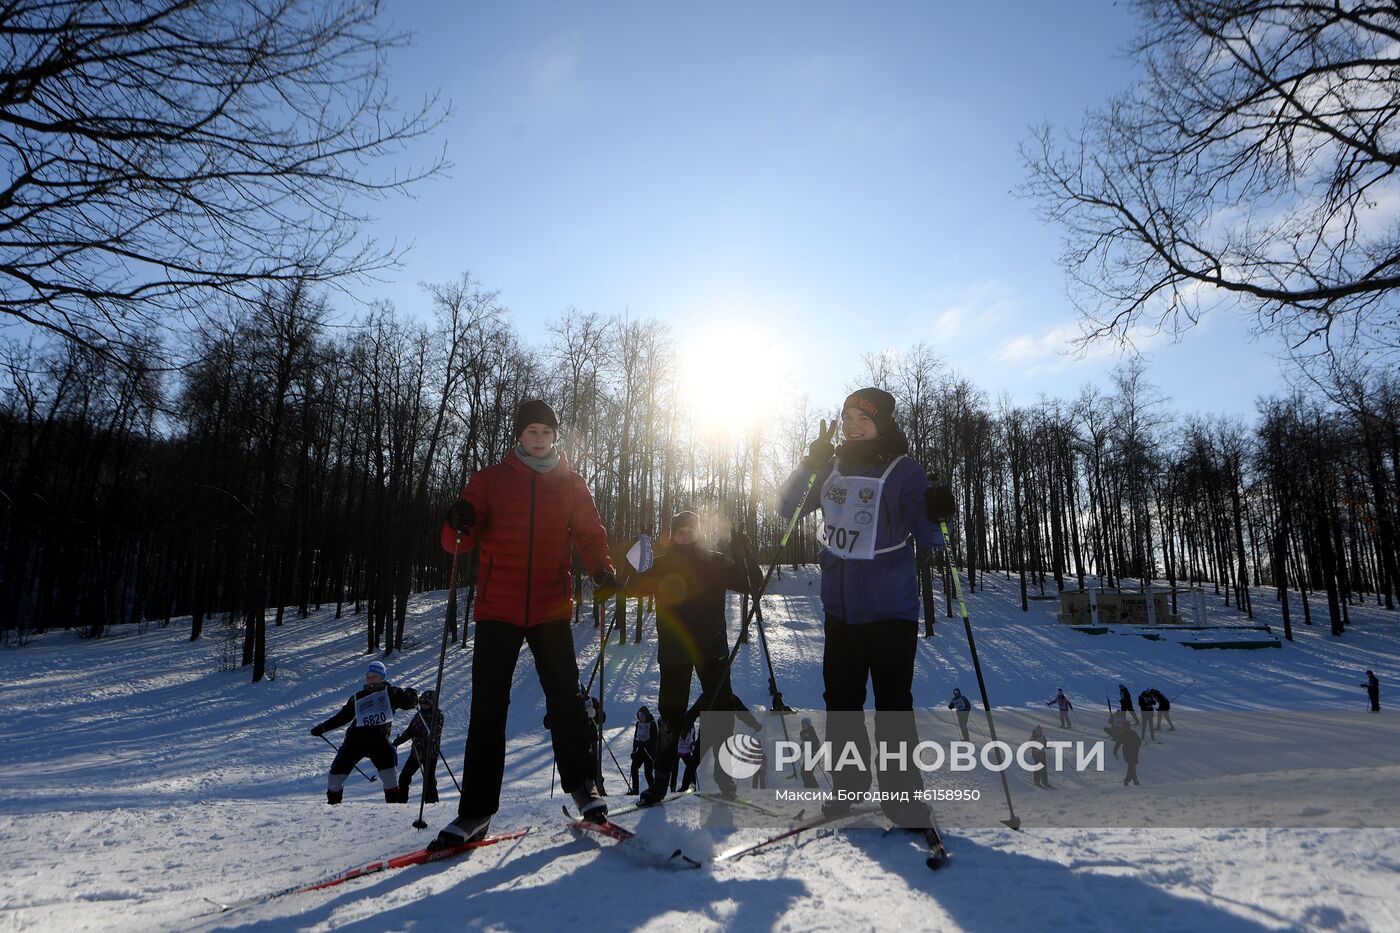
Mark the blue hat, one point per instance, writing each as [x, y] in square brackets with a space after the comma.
[377, 667]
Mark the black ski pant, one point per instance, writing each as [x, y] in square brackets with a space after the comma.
[962, 724]
[881, 652]
[1375, 697]
[688, 778]
[494, 656]
[1064, 719]
[1131, 777]
[716, 698]
[642, 764]
[361, 744]
[410, 768]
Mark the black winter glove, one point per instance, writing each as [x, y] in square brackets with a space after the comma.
[821, 449]
[739, 545]
[939, 505]
[318, 731]
[461, 515]
[605, 585]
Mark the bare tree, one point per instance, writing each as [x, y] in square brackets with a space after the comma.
[162, 153]
[1248, 166]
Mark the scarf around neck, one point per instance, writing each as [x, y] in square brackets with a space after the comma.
[538, 464]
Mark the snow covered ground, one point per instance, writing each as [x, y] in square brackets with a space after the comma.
[136, 779]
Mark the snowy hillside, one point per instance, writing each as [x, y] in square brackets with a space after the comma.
[137, 779]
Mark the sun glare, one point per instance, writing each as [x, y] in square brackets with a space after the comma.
[733, 376]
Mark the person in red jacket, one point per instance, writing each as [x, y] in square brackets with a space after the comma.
[525, 512]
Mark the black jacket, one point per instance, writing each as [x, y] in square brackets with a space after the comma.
[417, 733]
[690, 584]
[399, 698]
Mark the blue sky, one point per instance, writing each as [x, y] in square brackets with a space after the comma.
[804, 182]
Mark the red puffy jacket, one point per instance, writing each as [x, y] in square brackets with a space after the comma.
[525, 522]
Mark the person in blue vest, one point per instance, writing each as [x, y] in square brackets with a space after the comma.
[370, 716]
[876, 504]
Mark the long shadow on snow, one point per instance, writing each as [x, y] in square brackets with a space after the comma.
[988, 889]
[571, 899]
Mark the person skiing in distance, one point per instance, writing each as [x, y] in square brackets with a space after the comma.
[687, 748]
[1060, 701]
[369, 715]
[690, 583]
[1125, 737]
[1164, 710]
[525, 513]
[644, 743]
[1373, 691]
[963, 706]
[1147, 705]
[1041, 776]
[876, 503]
[425, 732]
[1125, 702]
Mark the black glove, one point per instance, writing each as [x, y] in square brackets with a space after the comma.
[821, 449]
[605, 585]
[461, 515]
[318, 730]
[938, 504]
[739, 545]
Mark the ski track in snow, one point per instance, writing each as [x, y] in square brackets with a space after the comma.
[138, 779]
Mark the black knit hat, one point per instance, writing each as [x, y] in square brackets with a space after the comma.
[684, 519]
[877, 404]
[535, 411]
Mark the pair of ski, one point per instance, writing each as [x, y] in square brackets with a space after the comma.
[937, 858]
[416, 857]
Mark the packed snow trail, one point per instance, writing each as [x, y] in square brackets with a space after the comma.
[138, 778]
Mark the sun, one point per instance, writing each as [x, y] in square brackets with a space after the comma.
[733, 375]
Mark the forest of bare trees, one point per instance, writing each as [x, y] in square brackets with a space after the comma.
[305, 462]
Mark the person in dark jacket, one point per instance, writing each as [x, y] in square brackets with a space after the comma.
[370, 716]
[525, 513]
[1373, 691]
[644, 745]
[1126, 740]
[425, 732]
[1042, 775]
[688, 752]
[1062, 703]
[963, 707]
[1125, 703]
[1164, 710]
[1147, 705]
[876, 505]
[690, 585]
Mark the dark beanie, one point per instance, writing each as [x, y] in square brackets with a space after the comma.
[683, 519]
[877, 404]
[534, 411]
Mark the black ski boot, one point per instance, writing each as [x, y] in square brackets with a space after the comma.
[655, 793]
[590, 805]
[333, 797]
[460, 831]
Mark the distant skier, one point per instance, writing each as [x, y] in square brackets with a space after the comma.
[1125, 738]
[963, 706]
[1125, 703]
[1042, 775]
[1060, 701]
[526, 513]
[425, 732]
[1373, 691]
[688, 752]
[690, 583]
[1147, 705]
[876, 504]
[644, 743]
[811, 743]
[370, 716]
[1164, 709]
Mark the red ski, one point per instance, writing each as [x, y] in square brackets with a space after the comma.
[416, 857]
[631, 843]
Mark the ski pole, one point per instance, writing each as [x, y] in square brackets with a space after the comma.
[943, 504]
[1183, 690]
[435, 741]
[368, 777]
[449, 772]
